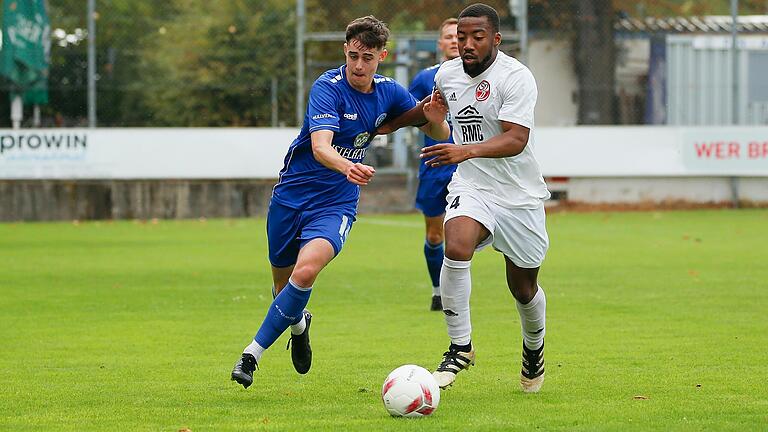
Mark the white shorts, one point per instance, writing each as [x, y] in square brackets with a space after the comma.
[518, 233]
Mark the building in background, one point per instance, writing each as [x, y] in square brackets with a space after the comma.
[669, 71]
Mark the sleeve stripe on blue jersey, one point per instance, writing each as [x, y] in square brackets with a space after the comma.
[318, 127]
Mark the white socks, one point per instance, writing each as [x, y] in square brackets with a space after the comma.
[455, 287]
[255, 350]
[299, 327]
[532, 320]
[436, 291]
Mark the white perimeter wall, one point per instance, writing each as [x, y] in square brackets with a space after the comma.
[601, 190]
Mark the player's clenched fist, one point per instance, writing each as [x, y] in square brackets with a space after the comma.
[359, 174]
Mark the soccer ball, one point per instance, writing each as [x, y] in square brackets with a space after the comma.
[410, 391]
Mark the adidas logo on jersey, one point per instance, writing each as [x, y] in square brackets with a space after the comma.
[452, 97]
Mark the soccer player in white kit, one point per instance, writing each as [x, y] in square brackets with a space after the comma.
[496, 197]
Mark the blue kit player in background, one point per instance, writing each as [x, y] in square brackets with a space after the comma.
[314, 202]
[433, 181]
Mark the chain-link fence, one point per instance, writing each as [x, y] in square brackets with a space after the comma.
[412, 47]
[235, 63]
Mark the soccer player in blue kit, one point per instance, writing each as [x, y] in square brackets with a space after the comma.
[314, 202]
[433, 181]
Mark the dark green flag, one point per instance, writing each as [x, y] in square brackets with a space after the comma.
[26, 48]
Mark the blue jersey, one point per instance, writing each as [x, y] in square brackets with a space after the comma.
[421, 87]
[353, 117]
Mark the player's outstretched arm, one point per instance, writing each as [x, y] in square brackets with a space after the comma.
[510, 143]
[412, 117]
[357, 173]
[435, 111]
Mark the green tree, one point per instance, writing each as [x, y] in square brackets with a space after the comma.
[122, 27]
[213, 64]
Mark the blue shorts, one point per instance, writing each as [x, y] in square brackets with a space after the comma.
[430, 197]
[288, 230]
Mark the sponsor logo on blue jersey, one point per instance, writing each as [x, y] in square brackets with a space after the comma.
[361, 139]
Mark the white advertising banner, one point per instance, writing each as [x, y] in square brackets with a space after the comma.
[648, 151]
[184, 153]
[207, 153]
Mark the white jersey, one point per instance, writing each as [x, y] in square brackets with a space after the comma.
[506, 91]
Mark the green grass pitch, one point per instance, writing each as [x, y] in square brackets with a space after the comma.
[656, 321]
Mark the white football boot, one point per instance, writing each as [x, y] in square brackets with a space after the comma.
[532, 374]
[454, 361]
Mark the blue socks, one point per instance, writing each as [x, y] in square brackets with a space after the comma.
[434, 255]
[286, 309]
[299, 318]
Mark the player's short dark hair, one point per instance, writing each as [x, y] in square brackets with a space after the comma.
[482, 10]
[369, 31]
[447, 22]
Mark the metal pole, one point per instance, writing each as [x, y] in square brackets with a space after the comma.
[399, 147]
[734, 181]
[300, 24]
[735, 58]
[519, 9]
[274, 101]
[524, 31]
[17, 111]
[91, 63]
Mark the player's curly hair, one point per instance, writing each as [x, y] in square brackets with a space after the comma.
[482, 10]
[369, 31]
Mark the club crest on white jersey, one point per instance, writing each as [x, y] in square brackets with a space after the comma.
[482, 91]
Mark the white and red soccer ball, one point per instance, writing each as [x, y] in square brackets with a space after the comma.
[410, 391]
